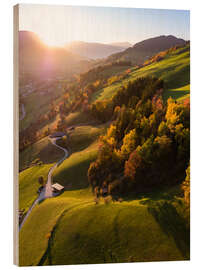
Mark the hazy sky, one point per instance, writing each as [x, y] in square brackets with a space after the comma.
[58, 25]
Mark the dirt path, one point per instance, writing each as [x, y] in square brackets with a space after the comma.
[47, 191]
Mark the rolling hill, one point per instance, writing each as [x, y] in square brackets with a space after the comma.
[75, 228]
[42, 61]
[83, 142]
[94, 50]
[121, 44]
[42, 149]
[28, 184]
[126, 230]
[143, 50]
[174, 69]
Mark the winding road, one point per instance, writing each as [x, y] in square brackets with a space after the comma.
[47, 191]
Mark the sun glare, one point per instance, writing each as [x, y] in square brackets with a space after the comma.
[51, 42]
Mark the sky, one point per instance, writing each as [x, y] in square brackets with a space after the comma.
[59, 25]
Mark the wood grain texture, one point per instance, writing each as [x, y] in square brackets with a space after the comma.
[16, 135]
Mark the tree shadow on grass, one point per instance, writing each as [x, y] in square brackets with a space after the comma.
[149, 196]
[173, 225]
[177, 94]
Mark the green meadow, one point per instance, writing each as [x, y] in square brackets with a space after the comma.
[75, 228]
[136, 228]
[28, 184]
[174, 69]
[83, 150]
[147, 228]
[42, 149]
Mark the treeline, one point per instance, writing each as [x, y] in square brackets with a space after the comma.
[78, 95]
[161, 55]
[148, 144]
[129, 95]
[32, 134]
[100, 72]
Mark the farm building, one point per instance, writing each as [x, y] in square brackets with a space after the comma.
[57, 188]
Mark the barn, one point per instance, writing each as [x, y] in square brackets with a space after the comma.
[57, 188]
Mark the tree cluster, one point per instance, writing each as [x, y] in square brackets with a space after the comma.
[100, 72]
[148, 144]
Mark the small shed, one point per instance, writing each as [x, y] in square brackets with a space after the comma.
[57, 188]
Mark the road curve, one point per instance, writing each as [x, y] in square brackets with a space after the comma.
[47, 191]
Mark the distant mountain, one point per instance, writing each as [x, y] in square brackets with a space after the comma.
[42, 61]
[143, 50]
[93, 50]
[121, 44]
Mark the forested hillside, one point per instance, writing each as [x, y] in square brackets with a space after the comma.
[146, 140]
[143, 50]
[125, 127]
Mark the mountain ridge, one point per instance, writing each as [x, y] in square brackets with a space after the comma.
[41, 60]
[144, 49]
[93, 50]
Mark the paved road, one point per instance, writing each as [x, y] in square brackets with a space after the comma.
[23, 113]
[47, 191]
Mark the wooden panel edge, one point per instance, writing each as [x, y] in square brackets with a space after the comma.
[15, 134]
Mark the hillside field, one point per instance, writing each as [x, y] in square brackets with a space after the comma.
[136, 229]
[174, 69]
[42, 149]
[84, 146]
[78, 228]
[28, 184]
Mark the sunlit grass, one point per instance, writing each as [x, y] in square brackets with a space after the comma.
[28, 184]
[42, 149]
[72, 229]
[174, 70]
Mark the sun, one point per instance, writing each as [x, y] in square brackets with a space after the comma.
[53, 41]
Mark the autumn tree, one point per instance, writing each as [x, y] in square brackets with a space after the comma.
[41, 180]
[130, 142]
[186, 186]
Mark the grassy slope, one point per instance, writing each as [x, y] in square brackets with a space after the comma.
[84, 146]
[36, 105]
[174, 70]
[72, 229]
[28, 184]
[115, 70]
[72, 173]
[110, 72]
[83, 136]
[179, 94]
[139, 229]
[78, 118]
[43, 149]
[41, 222]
